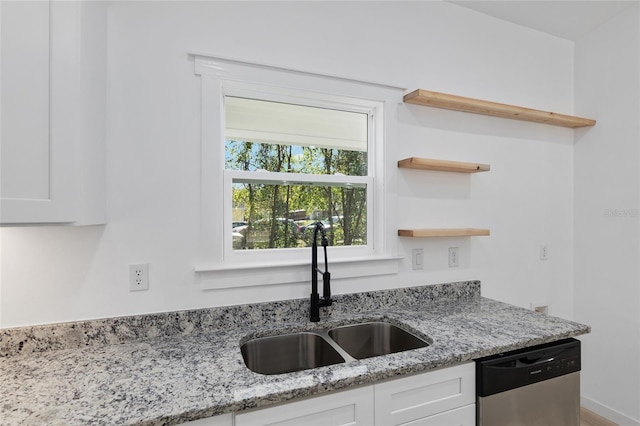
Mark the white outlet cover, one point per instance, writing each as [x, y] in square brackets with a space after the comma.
[454, 257]
[544, 252]
[139, 277]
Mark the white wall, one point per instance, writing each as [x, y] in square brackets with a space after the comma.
[53, 274]
[607, 205]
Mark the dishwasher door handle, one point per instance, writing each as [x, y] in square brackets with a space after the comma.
[527, 361]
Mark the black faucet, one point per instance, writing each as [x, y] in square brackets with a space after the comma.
[316, 303]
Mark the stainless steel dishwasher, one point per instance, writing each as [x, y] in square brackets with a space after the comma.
[537, 386]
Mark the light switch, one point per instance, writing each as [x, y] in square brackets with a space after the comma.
[417, 261]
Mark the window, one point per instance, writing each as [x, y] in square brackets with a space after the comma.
[284, 149]
[296, 165]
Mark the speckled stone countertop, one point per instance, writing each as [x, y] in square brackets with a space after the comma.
[175, 367]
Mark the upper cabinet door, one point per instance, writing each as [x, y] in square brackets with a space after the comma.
[38, 76]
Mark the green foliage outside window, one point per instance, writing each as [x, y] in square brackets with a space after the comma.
[279, 215]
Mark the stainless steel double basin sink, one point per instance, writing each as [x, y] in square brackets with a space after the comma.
[296, 351]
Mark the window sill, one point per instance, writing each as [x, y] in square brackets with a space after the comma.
[234, 276]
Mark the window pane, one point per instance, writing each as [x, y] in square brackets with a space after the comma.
[252, 156]
[279, 123]
[280, 137]
[282, 216]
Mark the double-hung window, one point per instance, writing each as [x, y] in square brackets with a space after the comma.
[282, 151]
[291, 162]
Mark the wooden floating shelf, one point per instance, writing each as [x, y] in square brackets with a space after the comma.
[478, 106]
[442, 165]
[443, 232]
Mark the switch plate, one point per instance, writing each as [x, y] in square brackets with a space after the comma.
[454, 258]
[139, 277]
[417, 259]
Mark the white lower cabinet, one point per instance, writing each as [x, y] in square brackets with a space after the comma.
[428, 398]
[463, 416]
[444, 397]
[342, 408]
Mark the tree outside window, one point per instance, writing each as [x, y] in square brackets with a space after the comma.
[286, 140]
[281, 214]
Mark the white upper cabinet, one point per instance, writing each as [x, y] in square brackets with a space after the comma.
[46, 66]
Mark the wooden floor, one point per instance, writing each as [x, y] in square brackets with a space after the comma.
[589, 418]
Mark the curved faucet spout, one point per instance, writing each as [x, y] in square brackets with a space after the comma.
[319, 226]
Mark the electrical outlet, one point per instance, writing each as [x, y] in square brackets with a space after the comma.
[544, 252]
[454, 258]
[417, 259]
[139, 277]
[540, 307]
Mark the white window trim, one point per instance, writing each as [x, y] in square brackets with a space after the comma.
[220, 268]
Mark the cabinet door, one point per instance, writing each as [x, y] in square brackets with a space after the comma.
[418, 397]
[463, 416]
[350, 407]
[38, 70]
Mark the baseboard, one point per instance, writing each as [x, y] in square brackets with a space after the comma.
[588, 417]
[608, 413]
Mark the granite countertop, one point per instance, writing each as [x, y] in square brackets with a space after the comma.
[175, 367]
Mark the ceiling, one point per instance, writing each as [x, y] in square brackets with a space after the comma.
[569, 19]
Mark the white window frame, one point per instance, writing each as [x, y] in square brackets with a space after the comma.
[279, 94]
[222, 267]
